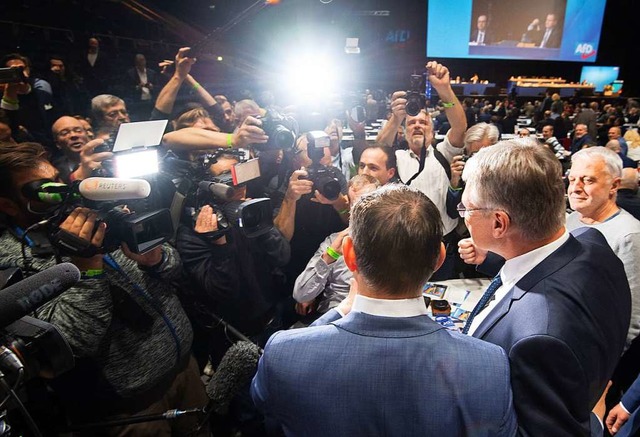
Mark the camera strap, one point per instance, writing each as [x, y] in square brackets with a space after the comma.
[423, 158]
[144, 294]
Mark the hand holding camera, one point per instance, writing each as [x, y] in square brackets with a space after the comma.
[207, 222]
[398, 104]
[81, 223]
[298, 186]
[249, 132]
[91, 159]
[457, 166]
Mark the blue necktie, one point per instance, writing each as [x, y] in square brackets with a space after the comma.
[483, 302]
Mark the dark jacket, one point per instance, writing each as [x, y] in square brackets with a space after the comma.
[238, 281]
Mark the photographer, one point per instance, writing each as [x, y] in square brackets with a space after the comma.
[306, 217]
[237, 277]
[129, 335]
[425, 165]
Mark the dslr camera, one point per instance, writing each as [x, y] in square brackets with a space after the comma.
[280, 129]
[253, 217]
[416, 100]
[324, 178]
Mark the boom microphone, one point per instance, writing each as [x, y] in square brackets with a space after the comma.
[114, 189]
[26, 296]
[220, 191]
[236, 369]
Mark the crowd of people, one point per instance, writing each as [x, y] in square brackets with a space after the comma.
[437, 196]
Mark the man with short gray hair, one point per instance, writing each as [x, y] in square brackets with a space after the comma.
[560, 304]
[109, 112]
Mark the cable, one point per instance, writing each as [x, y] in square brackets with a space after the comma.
[32, 425]
[15, 386]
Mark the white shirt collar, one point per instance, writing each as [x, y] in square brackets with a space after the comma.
[516, 268]
[390, 307]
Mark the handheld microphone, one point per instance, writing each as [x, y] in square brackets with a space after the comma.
[219, 191]
[26, 296]
[236, 369]
[114, 189]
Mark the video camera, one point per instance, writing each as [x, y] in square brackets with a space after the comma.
[324, 178]
[133, 146]
[198, 188]
[29, 348]
[144, 229]
[416, 100]
[281, 130]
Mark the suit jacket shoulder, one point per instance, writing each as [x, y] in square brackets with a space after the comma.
[401, 366]
[563, 326]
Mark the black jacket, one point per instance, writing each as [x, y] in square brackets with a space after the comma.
[238, 281]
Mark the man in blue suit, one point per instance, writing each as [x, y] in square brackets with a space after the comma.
[561, 304]
[386, 368]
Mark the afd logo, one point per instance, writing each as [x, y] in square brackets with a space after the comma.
[585, 50]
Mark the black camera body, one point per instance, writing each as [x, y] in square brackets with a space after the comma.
[324, 181]
[280, 129]
[416, 100]
[324, 178]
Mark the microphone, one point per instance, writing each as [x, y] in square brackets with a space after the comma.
[114, 189]
[236, 369]
[219, 191]
[26, 296]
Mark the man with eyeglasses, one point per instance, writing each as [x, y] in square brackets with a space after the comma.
[76, 160]
[560, 305]
[109, 112]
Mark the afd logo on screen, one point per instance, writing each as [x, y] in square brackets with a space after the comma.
[585, 50]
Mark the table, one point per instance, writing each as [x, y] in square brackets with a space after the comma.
[463, 295]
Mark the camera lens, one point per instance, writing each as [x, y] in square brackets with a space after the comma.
[282, 137]
[329, 187]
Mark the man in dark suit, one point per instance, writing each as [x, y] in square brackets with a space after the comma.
[481, 35]
[385, 368]
[628, 198]
[561, 303]
[550, 37]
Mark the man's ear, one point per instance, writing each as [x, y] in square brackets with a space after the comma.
[349, 254]
[501, 223]
[9, 207]
[391, 172]
[441, 256]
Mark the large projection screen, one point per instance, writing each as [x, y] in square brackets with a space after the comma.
[452, 26]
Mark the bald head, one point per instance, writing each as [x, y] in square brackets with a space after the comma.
[69, 135]
[629, 179]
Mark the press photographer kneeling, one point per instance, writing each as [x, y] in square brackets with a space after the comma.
[130, 337]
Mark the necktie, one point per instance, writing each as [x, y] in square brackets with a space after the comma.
[483, 302]
[547, 33]
[480, 37]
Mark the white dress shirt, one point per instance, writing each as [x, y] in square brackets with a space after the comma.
[390, 307]
[433, 181]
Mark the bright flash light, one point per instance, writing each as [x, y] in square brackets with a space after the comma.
[219, 58]
[311, 77]
[130, 165]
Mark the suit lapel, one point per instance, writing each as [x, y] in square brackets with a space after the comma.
[554, 262]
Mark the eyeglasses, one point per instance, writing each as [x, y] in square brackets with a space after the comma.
[75, 130]
[463, 210]
[114, 114]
